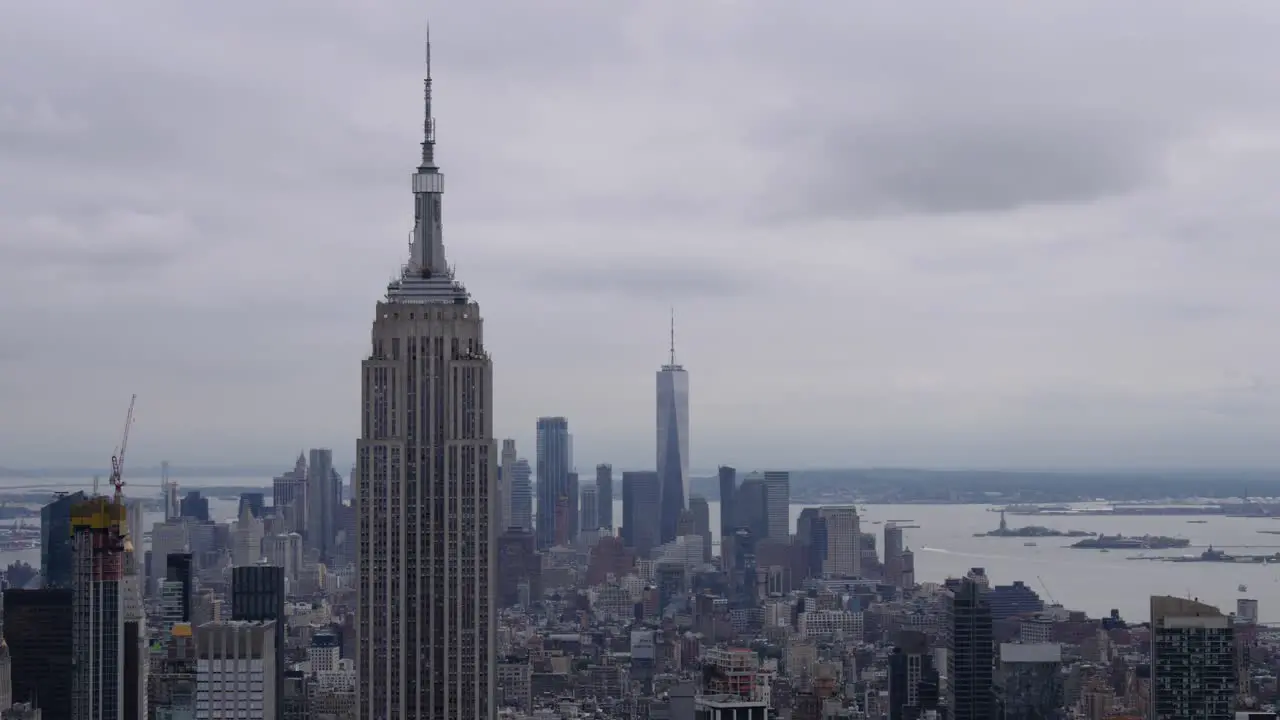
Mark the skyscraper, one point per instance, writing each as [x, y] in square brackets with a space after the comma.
[701, 512]
[504, 485]
[913, 681]
[641, 500]
[521, 496]
[246, 538]
[555, 460]
[893, 555]
[811, 534]
[97, 629]
[289, 497]
[673, 440]
[843, 555]
[257, 595]
[232, 657]
[778, 504]
[38, 629]
[728, 487]
[56, 552]
[427, 462]
[971, 655]
[569, 506]
[177, 569]
[324, 495]
[751, 506]
[604, 495]
[589, 515]
[1193, 660]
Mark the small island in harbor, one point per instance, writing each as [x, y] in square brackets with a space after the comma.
[1030, 531]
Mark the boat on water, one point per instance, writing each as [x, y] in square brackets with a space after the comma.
[1243, 588]
[1028, 544]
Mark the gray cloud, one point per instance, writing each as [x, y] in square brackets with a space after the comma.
[994, 167]
[995, 234]
[649, 279]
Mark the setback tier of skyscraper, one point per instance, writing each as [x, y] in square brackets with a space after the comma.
[426, 476]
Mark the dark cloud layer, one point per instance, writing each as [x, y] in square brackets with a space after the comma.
[987, 234]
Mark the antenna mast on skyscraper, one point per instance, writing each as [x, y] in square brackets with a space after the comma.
[428, 121]
[673, 337]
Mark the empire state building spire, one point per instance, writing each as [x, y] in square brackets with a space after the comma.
[428, 122]
[426, 259]
[427, 276]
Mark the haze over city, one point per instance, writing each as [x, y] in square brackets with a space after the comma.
[974, 236]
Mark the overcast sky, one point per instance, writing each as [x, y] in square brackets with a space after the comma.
[996, 234]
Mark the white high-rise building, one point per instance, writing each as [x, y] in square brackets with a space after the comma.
[138, 563]
[673, 441]
[246, 539]
[521, 486]
[844, 541]
[777, 503]
[286, 552]
[426, 467]
[236, 670]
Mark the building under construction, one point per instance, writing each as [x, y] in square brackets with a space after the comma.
[99, 531]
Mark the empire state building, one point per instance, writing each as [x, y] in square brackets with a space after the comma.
[426, 469]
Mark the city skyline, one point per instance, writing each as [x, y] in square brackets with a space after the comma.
[973, 267]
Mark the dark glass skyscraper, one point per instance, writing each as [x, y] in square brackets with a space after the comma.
[751, 507]
[1193, 660]
[257, 594]
[37, 628]
[913, 681]
[811, 533]
[195, 506]
[971, 656]
[324, 495]
[604, 495]
[555, 461]
[641, 499]
[178, 569]
[56, 556]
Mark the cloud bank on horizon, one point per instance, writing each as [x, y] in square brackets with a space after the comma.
[996, 235]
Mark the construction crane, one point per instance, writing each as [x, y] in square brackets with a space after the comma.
[117, 460]
[1046, 590]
